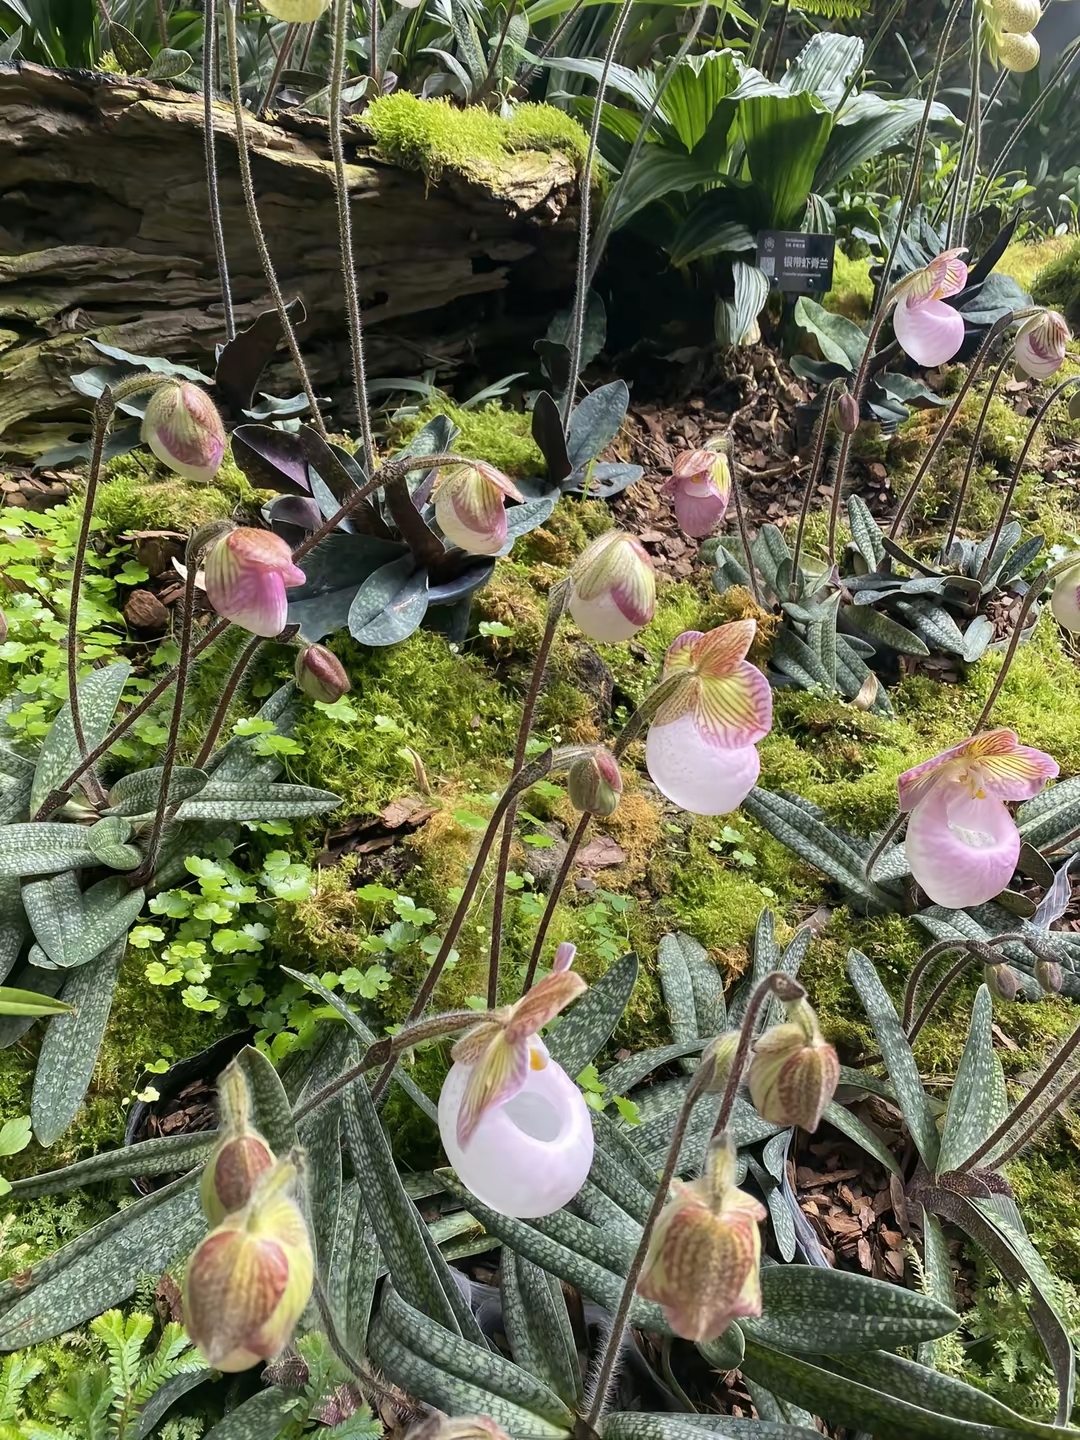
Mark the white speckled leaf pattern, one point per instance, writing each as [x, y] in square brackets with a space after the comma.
[678, 990]
[538, 1327]
[978, 1102]
[636, 1426]
[587, 1027]
[99, 695]
[816, 1311]
[162, 1156]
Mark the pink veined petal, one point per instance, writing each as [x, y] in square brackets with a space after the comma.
[1034, 356]
[734, 710]
[949, 273]
[697, 776]
[497, 1077]
[255, 599]
[931, 332]
[1019, 774]
[564, 957]
[961, 851]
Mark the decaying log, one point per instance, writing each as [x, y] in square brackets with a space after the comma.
[104, 233]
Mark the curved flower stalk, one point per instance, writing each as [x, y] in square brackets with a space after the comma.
[470, 507]
[962, 842]
[1041, 343]
[184, 430]
[700, 749]
[246, 574]
[612, 588]
[248, 1282]
[515, 1126]
[927, 329]
[700, 489]
[704, 1260]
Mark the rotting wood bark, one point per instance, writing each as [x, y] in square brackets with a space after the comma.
[104, 233]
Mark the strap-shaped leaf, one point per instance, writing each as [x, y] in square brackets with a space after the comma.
[936, 1274]
[43, 848]
[163, 1155]
[271, 1113]
[238, 759]
[70, 1048]
[835, 1393]
[625, 1074]
[357, 1264]
[783, 1223]
[421, 1278]
[538, 1327]
[934, 624]
[821, 636]
[899, 1061]
[851, 1126]
[53, 906]
[102, 1266]
[978, 1102]
[99, 694]
[419, 1376]
[678, 991]
[140, 791]
[588, 1027]
[73, 928]
[770, 550]
[255, 800]
[594, 1204]
[1054, 812]
[883, 630]
[320, 1135]
[766, 957]
[816, 1312]
[13, 924]
[865, 531]
[796, 825]
[708, 987]
[266, 1413]
[635, 1425]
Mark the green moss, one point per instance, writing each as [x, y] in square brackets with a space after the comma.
[1058, 284]
[1024, 260]
[140, 494]
[434, 135]
[852, 293]
[490, 432]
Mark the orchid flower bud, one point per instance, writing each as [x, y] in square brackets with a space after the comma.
[184, 430]
[794, 1072]
[320, 674]
[612, 587]
[248, 1282]
[594, 783]
[721, 1054]
[847, 413]
[1065, 601]
[1017, 17]
[241, 1156]
[1019, 53]
[704, 1258]
[700, 487]
[1041, 342]
[701, 747]
[470, 507]
[514, 1125]
[1002, 981]
[1048, 974]
[246, 573]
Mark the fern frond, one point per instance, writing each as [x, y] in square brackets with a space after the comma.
[123, 1340]
[361, 1426]
[16, 1374]
[87, 1401]
[835, 9]
[174, 1356]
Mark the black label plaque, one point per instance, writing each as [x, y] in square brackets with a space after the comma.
[796, 261]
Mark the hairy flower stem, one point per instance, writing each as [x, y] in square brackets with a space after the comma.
[975, 125]
[1057, 1063]
[526, 76]
[740, 522]
[883, 29]
[1040, 416]
[557, 599]
[954, 410]
[846, 439]
[973, 451]
[370, 1387]
[243, 660]
[703, 1078]
[812, 478]
[611, 204]
[342, 11]
[915, 172]
[612, 1349]
[581, 291]
[774, 54]
[287, 43]
[975, 950]
[373, 46]
[895, 825]
[247, 184]
[556, 890]
[217, 229]
[1017, 1144]
[493, 65]
[1035, 589]
[183, 670]
[519, 782]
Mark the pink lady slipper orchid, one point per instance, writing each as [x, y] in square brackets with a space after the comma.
[700, 749]
[1065, 601]
[470, 506]
[927, 329]
[1040, 344]
[245, 575]
[514, 1125]
[700, 488]
[704, 1258]
[184, 430]
[612, 588]
[962, 842]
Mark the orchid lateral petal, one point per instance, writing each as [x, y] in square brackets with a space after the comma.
[546, 999]
[496, 1077]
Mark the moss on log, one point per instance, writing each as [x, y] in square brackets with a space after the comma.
[104, 233]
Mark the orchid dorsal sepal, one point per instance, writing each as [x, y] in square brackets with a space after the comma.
[203, 536]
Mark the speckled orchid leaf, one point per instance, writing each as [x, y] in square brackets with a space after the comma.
[932, 623]
[320, 1137]
[977, 1102]
[267, 1412]
[865, 532]
[798, 825]
[589, 1026]
[678, 989]
[255, 799]
[896, 1052]
[72, 928]
[815, 1311]
[108, 840]
[419, 1273]
[31, 998]
[101, 1267]
[625, 1074]
[882, 630]
[238, 758]
[13, 924]
[140, 791]
[538, 1327]
[636, 1425]
[595, 421]
[271, 1113]
[937, 1275]
[855, 681]
[70, 1048]
[851, 1126]
[164, 1155]
[99, 695]
[1051, 815]
[169, 64]
[729, 568]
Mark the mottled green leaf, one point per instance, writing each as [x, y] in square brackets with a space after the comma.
[42, 848]
[99, 694]
[851, 1126]
[634, 1425]
[816, 1311]
[586, 1028]
[271, 1113]
[797, 826]
[139, 792]
[255, 800]
[678, 990]
[161, 1156]
[264, 1415]
[538, 1327]
[978, 1102]
[865, 531]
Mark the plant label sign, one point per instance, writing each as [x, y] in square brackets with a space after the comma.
[796, 261]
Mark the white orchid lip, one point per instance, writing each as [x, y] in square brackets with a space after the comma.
[927, 329]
